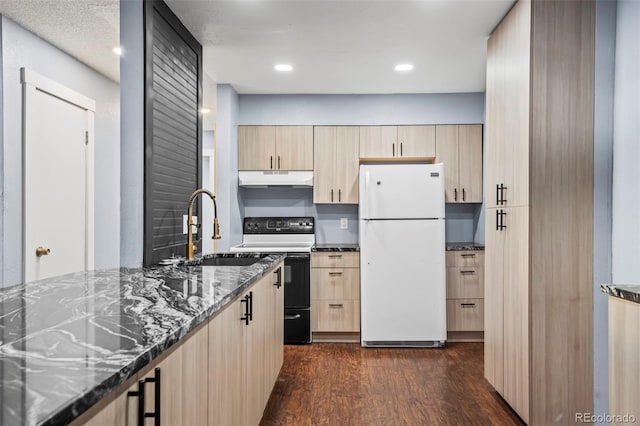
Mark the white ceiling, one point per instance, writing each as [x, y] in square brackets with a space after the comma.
[86, 29]
[344, 46]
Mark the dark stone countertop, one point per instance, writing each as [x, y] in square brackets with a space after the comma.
[629, 292]
[66, 342]
[464, 246]
[336, 247]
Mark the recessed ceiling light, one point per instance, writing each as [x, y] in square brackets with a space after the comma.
[205, 110]
[403, 67]
[283, 67]
[117, 50]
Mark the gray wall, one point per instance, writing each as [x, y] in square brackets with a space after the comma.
[21, 48]
[229, 201]
[603, 168]
[626, 148]
[132, 133]
[444, 108]
[463, 221]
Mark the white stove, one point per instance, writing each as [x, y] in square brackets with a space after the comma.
[294, 236]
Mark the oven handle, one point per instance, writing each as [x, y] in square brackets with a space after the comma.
[292, 317]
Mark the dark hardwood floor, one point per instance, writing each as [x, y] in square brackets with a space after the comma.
[344, 384]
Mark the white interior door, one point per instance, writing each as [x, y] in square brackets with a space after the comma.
[402, 287]
[58, 178]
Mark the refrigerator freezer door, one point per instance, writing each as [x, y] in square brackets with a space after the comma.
[396, 191]
[403, 288]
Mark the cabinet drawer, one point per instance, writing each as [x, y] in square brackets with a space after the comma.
[465, 258]
[334, 259]
[465, 315]
[465, 282]
[336, 315]
[335, 283]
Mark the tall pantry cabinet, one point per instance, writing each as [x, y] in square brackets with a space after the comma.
[539, 217]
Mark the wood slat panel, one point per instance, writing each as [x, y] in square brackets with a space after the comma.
[172, 169]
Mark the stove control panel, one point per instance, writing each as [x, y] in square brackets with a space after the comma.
[278, 225]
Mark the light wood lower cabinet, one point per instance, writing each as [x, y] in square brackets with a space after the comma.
[221, 374]
[250, 369]
[335, 295]
[465, 295]
[624, 359]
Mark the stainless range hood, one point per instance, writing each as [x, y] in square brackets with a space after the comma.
[256, 179]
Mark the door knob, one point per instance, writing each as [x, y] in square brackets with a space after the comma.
[42, 251]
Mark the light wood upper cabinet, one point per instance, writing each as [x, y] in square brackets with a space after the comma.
[294, 147]
[324, 167]
[256, 147]
[336, 165]
[275, 148]
[397, 141]
[416, 141]
[447, 153]
[459, 147]
[372, 143]
[470, 162]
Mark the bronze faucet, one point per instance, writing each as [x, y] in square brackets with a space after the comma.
[191, 247]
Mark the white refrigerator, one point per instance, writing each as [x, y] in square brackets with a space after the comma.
[402, 255]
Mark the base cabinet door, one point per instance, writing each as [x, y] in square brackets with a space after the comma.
[182, 384]
[246, 357]
[226, 366]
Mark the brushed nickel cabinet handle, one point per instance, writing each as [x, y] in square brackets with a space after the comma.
[336, 306]
[335, 256]
[339, 195]
[332, 195]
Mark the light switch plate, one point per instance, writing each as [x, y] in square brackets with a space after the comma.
[184, 224]
[344, 223]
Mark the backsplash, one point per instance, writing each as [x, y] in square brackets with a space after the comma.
[462, 219]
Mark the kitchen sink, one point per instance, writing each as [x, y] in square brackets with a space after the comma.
[230, 261]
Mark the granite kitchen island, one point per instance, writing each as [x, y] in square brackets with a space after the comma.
[69, 341]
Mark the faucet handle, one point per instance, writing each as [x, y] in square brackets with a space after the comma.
[216, 229]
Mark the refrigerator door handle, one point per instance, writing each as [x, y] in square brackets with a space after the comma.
[367, 178]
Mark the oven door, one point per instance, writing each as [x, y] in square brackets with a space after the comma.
[297, 278]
